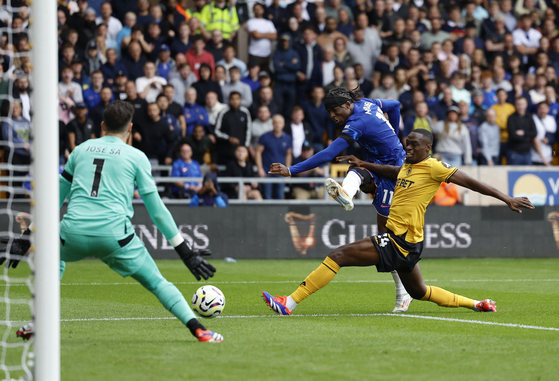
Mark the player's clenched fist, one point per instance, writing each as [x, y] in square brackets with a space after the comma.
[279, 169]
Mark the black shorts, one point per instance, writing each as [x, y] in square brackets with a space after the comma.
[392, 252]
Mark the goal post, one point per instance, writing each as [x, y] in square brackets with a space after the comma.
[45, 199]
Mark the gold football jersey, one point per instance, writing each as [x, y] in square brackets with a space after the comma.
[415, 187]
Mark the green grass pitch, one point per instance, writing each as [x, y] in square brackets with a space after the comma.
[113, 329]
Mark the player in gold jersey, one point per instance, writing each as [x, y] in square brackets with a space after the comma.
[400, 249]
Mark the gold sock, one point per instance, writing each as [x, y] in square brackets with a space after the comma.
[447, 299]
[316, 280]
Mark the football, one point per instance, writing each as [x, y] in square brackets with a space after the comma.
[208, 301]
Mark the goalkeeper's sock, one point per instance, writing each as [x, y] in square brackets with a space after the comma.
[447, 299]
[316, 280]
[351, 183]
[193, 325]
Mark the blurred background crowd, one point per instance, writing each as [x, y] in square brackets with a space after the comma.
[227, 88]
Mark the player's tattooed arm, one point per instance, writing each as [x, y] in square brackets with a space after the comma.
[462, 179]
[384, 170]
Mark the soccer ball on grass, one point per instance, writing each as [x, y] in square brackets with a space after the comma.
[208, 301]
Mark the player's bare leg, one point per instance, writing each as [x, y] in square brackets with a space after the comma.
[360, 253]
[416, 287]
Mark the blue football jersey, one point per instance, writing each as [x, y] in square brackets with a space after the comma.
[373, 132]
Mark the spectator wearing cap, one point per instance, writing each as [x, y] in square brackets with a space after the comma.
[453, 139]
[81, 128]
[262, 32]
[92, 96]
[150, 85]
[197, 56]
[193, 112]
[235, 85]
[106, 17]
[310, 53]
[252, 78]
[233, 128]
[206, 84]
[134, 61]
[183, 81]
[273, 147]
[286, 63]
[222, 15]
[181, 42]
[96, 113]
[229, 60]
[68, 88]
[93, 58]
[215, 45]
[164, 63]
[522, 134]
[526, 39]
[112, 67]
[265, 97]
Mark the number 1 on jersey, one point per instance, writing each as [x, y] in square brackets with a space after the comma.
[98, 163]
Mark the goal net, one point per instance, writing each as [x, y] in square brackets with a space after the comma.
[29, 189]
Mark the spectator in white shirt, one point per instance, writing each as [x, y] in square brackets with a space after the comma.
[526, 39]
[150, 86]
[262, 33]
[69, 89]
[106, 17]
[542, 151]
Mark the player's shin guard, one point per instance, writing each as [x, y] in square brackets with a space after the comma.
[447, 299]
[316, 280]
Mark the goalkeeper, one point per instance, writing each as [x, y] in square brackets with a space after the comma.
[99, 180]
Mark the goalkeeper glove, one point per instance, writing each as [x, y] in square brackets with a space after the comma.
[198, 266]
[20, 246]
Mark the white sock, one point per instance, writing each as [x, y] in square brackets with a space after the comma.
[351, 183]
[290, 304]
[475, 305]
[400, 289]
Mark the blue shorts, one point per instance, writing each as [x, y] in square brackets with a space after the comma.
[382, 199]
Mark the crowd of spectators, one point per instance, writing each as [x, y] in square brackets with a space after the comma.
[482, 76]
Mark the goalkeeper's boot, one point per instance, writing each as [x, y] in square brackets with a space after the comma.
[208, 336]
[26, 332]
[402, 303]
[486, 305]
[336, 191]
[277, 304]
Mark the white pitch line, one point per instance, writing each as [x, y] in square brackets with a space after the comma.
[294, 281]
[511, 325]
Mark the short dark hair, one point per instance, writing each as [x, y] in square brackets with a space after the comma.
[197, 38]
[234, 93]
[117, 116]
[428, 135]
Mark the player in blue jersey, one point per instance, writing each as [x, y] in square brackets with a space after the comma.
[100, 176]
[363, 121]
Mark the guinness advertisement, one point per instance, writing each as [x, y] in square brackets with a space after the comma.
[298, 231]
